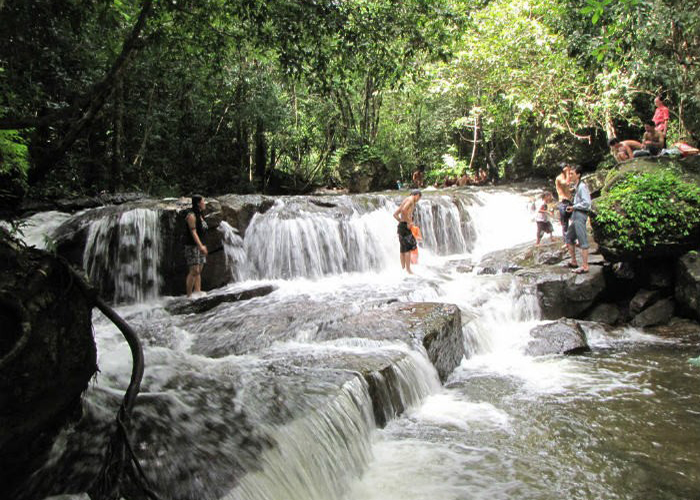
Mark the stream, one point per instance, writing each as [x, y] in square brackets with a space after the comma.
[267, 422]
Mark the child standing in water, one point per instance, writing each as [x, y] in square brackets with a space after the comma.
[542, 217]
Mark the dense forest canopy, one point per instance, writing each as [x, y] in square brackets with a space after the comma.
[172, 97]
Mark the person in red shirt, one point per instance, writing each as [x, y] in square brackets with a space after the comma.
[661, 115]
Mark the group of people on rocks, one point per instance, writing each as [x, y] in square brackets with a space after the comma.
[479, 177]
[653, 140]
[573, 206]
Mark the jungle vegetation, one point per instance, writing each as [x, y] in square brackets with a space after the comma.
[170, 97]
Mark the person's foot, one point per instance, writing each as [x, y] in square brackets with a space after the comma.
[572, 265]
[580, 270]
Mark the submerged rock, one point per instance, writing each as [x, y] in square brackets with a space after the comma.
[564, 336]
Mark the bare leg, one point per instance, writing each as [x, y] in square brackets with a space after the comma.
[189, 281]
[402, 258]
[584, 258]
[407, 259]
[198, 278]
[572, 253]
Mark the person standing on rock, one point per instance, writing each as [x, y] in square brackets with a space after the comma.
[562, 183]
[407, 242]
[577, 231]
[195, 251]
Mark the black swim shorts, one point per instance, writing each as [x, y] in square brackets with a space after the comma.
[406, 240]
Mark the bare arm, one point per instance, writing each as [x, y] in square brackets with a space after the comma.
[404, 212]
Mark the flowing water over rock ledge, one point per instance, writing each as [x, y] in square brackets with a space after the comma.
[316, 372]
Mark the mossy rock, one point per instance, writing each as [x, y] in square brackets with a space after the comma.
[648, 208]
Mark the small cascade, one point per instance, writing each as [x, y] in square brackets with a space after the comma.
[122, 255]
[442, 225]
[288, 243]
[315, 457]
[297, 239]
[234, 251]
[404, 384]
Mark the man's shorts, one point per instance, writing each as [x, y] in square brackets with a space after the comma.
[407, 241]
[577, 230]
[194, 256]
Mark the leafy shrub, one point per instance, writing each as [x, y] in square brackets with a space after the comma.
[14, 164]
[645, 209]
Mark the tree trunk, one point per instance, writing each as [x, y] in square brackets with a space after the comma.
[116, 176]
[260, 153]
[94, 102]
[477, 121]
[138, 159]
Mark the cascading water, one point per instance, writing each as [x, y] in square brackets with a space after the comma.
[123, 254]
[289, 417]
[292, 241]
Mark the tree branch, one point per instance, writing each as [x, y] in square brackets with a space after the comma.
[94, 102]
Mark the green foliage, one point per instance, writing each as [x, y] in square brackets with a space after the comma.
[649, 208]
[14, 164]
[14, 156]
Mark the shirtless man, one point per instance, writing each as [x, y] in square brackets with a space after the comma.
[653, 140]
[623, 150]
[407, 242]
[563, 185]
[418, 177]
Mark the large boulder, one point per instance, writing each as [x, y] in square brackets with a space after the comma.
[47, 355]
[435, 327]
[658, 313]
[687, 291]
[564, 336]
[608, 314]
[236, 211]
[563, 293]
[648, 209]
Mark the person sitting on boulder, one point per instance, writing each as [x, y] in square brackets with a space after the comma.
[653, 140]
[418, 177]
[623, 150]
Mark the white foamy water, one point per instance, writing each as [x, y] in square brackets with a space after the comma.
[38, 229]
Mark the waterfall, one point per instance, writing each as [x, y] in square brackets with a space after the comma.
[442, 225]
[315, 456]
[234, 251]
[122, 254]
[296, 239]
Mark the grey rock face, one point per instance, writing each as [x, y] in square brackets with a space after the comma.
[656, 314]
[186, 306]
[642, 300]
[687, 291]
[563, 293]
[605, 313]
[564, 336]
